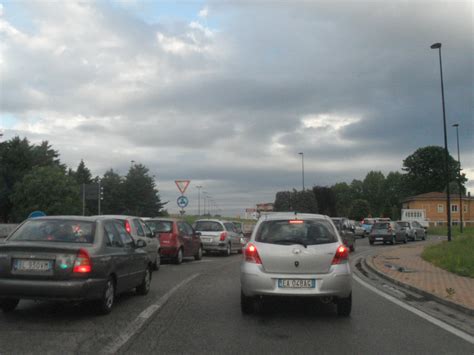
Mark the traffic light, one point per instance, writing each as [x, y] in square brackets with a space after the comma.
[101, 193]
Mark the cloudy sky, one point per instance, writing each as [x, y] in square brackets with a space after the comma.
[227, 94]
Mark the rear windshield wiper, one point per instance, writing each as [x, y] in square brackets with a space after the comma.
[289, 242]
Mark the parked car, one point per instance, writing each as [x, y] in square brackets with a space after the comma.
[412, 230]
[296, 255]
[346, 231]
[386, 232]
[359, 231]
[367, 224]
[177, 239]
[218, 236]
[138, 229]
[69, 258]
[243, 239]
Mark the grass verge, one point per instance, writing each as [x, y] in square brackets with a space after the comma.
[456, 256]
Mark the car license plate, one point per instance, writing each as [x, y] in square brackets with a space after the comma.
[380, 238]
[32, 265]
[298, 283]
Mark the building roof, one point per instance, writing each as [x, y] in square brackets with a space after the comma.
[435, 196]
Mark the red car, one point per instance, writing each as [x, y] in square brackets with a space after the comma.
[177, 239]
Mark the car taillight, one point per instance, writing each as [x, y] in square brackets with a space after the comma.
[127, 227]
[223, 236]
[82, 264]
[296, 221]
[342, 254]
[251, 254]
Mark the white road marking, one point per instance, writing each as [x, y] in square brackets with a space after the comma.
[437, 322]
[136, 325]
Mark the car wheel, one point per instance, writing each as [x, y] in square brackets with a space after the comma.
[371, 242]
[415, 236]
[144, 287]
[352, 247]
[179, 257]
[393, 241]
[9, 304]
[198, 255]
[344, 306]
[156, 265]
[105, 304]
[423, 237]
[405, 240]
[246, 303]
[228, 250]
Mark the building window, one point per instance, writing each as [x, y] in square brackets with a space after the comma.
[454, 208]
[440, 208]
[464, 208]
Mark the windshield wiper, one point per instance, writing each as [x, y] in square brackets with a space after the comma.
[290, 241]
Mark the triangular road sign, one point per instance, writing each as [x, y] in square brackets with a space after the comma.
[182, 185]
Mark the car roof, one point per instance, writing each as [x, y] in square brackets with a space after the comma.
[164, 219]
[292, 215]
[115, 216]
[75, 218]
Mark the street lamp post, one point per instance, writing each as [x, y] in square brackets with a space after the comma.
[199, 199]
[302, 167]
[446, 171]
[459, 178]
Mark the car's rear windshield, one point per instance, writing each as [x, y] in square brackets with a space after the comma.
[287, 232]
[403, 224]
[55, 230]
[160, 226]
[208, 226]
[368, 221]
[381, 225]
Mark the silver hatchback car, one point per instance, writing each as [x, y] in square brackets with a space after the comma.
[299, 255]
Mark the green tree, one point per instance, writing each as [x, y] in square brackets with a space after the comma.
[373, 191]
[48, 189]
[114, 193]
[298, 201]
[282, 201]
[425, 170]
[83, 174]
[357, 189]
[17, 158]
[394, 193]
[326, 199]
[360, 209]
[141, 194]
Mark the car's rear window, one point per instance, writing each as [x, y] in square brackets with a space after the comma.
[55, 230]
[368, 221]
[381, 225]
[208, 226]
[160, 226]
[403, 224]
[306, 232]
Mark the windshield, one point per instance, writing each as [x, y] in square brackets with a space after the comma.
[208, 226]
[63, 231]
[160, 226]
[381, 226]
[307, 232]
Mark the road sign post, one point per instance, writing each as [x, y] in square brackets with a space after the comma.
[182, 200]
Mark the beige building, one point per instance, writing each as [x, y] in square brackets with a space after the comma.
[434, 205]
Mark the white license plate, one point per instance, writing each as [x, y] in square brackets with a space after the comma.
[378, 238]
[292, 283]
[207, 239]
[32, 265]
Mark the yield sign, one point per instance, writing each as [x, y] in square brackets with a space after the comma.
[182, 185]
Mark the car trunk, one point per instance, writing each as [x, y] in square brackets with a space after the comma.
[36, 260]
[296, 259]
[210, 237]
[167, 238]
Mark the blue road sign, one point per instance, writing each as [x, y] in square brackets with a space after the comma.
[182, 201]
[36, 214]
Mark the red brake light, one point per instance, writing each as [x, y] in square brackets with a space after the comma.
[127, 227]
[342, 254]
[296, 221]
[82, 264]
[251, 254]
[223, 236]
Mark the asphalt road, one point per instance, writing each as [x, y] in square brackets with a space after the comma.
[194, 308]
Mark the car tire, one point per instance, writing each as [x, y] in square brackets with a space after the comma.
[144, 287]
[423, 237]
[352, 248]
[246, 304]
[415, 236]
[344, 306]
[198, 255]
[405, 240]
[9, 304]
[105, 304]
[393, 241]
[371, 242]
[228, 250]
[156, 265]
[179, 257]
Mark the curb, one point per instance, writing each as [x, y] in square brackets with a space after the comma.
[426, 294]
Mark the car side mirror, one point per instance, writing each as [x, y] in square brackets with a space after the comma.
[140, 244]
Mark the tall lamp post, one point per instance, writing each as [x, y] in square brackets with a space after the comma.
[302, 167]
[199, 187]
[459, 178]
[446, 170]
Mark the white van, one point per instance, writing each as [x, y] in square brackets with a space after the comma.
[418, 215]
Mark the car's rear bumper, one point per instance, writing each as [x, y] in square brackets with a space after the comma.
[221, 246]
[380, 238]
[169, 251]
[255, 281]
[74, 290]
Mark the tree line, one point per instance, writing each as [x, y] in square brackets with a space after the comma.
[32, 177]
[378, 195]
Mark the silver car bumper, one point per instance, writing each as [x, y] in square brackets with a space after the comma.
[256, 282]
[221, 246]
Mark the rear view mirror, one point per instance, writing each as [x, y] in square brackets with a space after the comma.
[140, 243]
